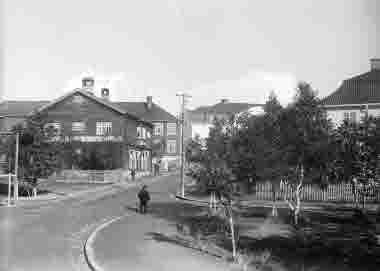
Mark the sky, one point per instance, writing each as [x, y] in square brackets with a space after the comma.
[239, 50]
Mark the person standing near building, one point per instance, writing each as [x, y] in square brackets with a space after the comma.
[144, 198]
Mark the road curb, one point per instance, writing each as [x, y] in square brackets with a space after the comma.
[88, 248]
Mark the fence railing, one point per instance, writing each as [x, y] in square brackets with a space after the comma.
[341, 192]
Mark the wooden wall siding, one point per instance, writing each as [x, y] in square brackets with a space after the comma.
[68, 111]
[341, 192]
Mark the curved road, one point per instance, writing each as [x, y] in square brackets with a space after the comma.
[50, 235]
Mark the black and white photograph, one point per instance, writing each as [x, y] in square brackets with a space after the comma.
[183, 135]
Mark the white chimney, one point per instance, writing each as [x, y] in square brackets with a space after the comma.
[375, 64]
[88, 84]
[105, 94]
[149, 102]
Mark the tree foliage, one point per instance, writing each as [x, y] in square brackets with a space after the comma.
[39, 149]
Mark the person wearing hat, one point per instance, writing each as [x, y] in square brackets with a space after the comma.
[144, 198]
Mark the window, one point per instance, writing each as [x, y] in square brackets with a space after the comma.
[172, 129]
[54, 127]
[78, 126]
[148, 135]
[103, 128]
[141, 132]
[171, 146]
[349, 116]
[353, 116]
[158, 129]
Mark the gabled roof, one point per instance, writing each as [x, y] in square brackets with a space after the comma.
[19, 108]
[360, 89]
[25, 108]
[221, 108]
[155, 113]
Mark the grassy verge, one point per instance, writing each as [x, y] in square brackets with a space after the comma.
[345, 240]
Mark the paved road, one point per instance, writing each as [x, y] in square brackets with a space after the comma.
[50, 236]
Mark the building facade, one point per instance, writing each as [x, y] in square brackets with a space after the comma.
[81, 119]
[202, 118]
[166, 135]
[356, 97]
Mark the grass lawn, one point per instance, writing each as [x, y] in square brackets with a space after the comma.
[324, 240]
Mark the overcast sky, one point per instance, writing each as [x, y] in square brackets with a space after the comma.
[211, 49]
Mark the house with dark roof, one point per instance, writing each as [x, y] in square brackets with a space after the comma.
[166, 137]
[202, 117]
[356, 96]
[85, 120]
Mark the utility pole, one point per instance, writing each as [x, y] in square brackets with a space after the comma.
[183, 96]
[16, 167]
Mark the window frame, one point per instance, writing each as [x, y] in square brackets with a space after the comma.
[159, 125]
[84, 127]
[101, 126]
[170, 143]
[175, 128]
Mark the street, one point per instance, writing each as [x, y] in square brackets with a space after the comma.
[50, 235]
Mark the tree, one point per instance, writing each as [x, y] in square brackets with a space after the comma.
[303, 139]
[357, 156]
[39, 150]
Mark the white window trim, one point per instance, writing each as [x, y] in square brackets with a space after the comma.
[159, 125]
[78, 126]
[171, 143]
[103, 128]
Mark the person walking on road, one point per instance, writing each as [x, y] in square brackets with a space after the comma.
[144, 198]
[133, 174]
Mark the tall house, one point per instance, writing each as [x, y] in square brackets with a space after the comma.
[202, 117]
[166, 137]
[356, 97]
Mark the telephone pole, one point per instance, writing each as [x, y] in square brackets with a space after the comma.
[182, 96]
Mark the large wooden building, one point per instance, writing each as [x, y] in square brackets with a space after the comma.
[82, 119]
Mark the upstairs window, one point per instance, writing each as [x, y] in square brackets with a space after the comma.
[171, 146]
[78, 126]
[141, 132]
[159, 129]
[172, 129]
[53, 127]
[103, 128]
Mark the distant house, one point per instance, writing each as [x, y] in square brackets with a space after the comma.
[355, 97]
[83, 119]
[202, 117]
[166, 138]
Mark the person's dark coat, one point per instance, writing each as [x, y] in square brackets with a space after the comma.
[144, 196]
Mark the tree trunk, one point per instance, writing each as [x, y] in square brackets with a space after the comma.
[297, 209]
[233, 236]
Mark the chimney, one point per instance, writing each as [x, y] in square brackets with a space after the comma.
[88, 84]
[149, 102]
[105, 92]
[223, 101]
[375, 64]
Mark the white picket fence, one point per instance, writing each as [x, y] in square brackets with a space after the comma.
[341, 192]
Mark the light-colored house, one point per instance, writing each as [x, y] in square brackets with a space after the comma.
[356, 97]
[202, 117]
